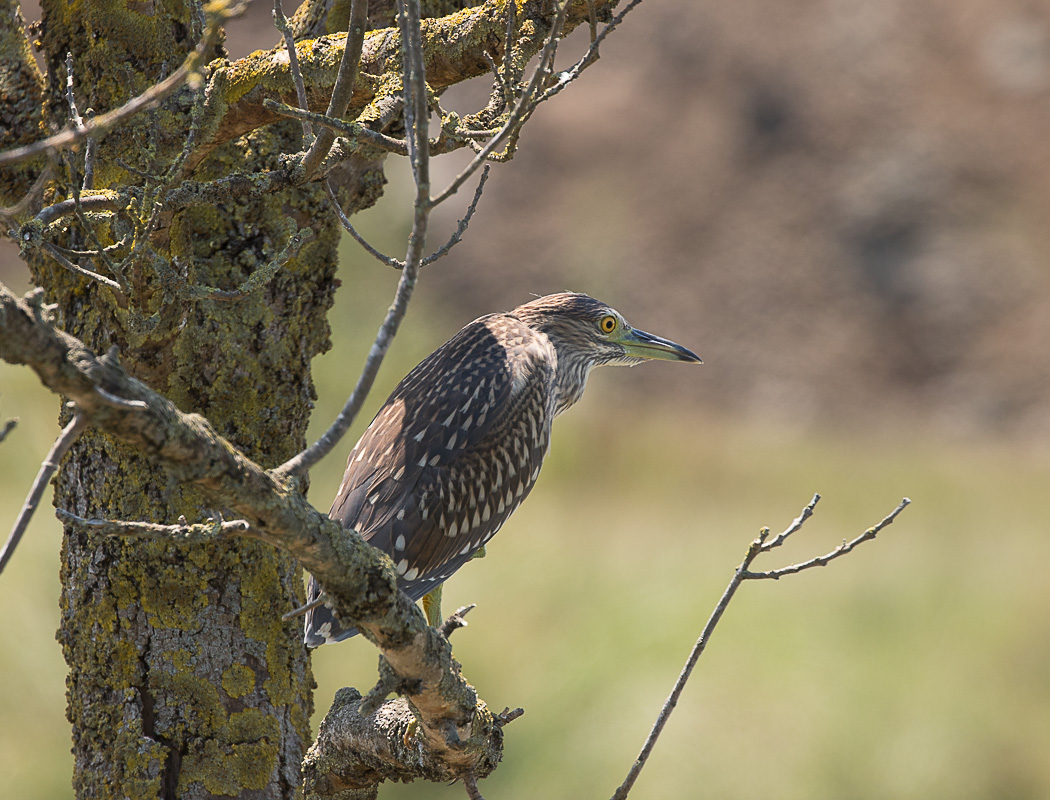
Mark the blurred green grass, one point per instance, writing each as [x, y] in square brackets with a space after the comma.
[918, 667]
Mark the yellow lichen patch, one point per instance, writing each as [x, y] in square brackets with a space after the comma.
[242, 756]
[238, 680]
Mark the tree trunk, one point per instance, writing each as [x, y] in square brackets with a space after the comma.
[183, 680]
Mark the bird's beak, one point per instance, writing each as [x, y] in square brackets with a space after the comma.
[644, 345]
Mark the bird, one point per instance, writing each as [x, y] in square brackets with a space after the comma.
[459, 443]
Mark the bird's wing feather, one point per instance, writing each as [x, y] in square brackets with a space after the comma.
[450, 455]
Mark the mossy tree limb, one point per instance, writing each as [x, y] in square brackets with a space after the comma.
[458, 733]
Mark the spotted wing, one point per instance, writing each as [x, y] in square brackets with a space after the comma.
[453, 452]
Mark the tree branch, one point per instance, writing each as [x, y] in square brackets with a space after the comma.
[760, 545]
[47, 469]
[456, 731]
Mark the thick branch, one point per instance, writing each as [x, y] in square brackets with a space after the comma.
[453, 48]
[455, 729]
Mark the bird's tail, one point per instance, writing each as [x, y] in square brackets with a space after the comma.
[321, 625]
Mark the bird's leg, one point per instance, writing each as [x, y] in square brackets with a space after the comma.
[432, 599]
[432, 607]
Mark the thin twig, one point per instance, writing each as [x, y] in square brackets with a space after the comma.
[302, 462]
[9, 426]
[416, 124]
[588, 58]
[441, 252]
[343, 89]
[351, 129]
[464, 223]
[47, 469]
[65, 262]
[760, 545]
[838, 552]
[281, 22]
[456, 621]
[518, 115]
[349, 227]
[215, 528]
[506, 716]
[257, 280]
[322, 598]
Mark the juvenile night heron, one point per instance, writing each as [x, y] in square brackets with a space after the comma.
[459, 444]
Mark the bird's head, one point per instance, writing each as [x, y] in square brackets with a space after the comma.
[587, 333]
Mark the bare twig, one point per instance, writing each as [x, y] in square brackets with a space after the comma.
[281, 22]
[820, 561]
[760, 545]
[389, 261]
[518, 115]
[353, 130]
[47, 469]
[455, 620]
[78, 124]
[441, 252]
[9, 426]
[322, 598]
[506, 716]
[302, 462]
[464, 223]
[257, 280]
[72, 267]
[343, 89]
[416, 124]
[215, 528]
[588, 58]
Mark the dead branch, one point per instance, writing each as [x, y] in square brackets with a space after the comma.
[47, 469]
[760, 545]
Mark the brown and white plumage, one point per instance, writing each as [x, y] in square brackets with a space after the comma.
[459, 444]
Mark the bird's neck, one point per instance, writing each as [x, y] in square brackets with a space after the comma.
[571, 379]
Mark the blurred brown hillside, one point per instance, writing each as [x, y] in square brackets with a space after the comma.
[843, 206]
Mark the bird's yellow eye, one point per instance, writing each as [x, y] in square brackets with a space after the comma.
[608, 323]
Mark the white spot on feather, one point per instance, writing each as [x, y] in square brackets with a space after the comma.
[412, 574]
[400, 543]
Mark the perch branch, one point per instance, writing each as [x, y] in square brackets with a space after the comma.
[456, 732]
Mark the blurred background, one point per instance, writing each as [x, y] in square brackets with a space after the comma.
[844, 207]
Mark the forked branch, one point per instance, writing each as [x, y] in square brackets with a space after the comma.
[762, 544]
